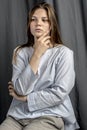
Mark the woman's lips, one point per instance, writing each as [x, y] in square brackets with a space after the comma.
[38, 30]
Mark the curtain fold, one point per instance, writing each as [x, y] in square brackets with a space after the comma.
[72, 19]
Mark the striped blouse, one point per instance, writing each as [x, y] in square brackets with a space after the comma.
[48, 90]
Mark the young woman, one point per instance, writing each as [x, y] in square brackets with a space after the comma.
[43, 77]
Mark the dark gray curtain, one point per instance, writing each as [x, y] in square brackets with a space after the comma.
[72, 19]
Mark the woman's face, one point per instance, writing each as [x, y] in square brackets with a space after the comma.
[39, 23]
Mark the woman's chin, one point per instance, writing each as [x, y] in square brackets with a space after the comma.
[37, 36]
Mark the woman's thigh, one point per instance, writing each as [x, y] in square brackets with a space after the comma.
[10, 124]
[46, 123]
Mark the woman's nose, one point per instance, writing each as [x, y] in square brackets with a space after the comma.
[38, 22]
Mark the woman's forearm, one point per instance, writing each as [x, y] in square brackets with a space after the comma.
[21, 98]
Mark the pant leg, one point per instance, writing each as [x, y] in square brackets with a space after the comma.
[10, 124]
[46, 123]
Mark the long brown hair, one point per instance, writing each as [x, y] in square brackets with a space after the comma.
[55, 35]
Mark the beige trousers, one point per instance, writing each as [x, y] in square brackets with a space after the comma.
[41, 123]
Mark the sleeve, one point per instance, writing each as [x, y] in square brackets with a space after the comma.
[23, 76]
[64, 82]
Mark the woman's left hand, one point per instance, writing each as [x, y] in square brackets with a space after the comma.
[13, 93]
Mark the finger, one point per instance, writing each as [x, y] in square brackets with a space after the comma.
[10, 83]
[43, 35]
[10, 87]
[50, 45]
[46, 38]
[46, 33]
[10, 91]
[11, 94]
[47, 43]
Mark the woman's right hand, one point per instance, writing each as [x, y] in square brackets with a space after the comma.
[40, 47]
[42, 44]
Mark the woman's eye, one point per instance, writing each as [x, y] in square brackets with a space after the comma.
[45, 20]
[33, 19]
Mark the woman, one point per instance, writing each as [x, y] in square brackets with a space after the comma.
[43, 77]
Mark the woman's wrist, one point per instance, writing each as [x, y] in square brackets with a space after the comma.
[22, 98]
[36, 55]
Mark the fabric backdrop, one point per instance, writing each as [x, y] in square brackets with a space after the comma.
[72, 19]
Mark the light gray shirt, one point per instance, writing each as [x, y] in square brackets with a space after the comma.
[47, 91]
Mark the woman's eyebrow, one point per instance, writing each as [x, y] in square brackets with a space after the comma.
[41, 17]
